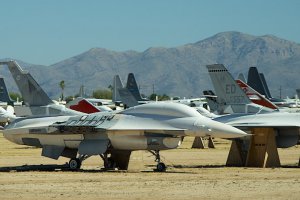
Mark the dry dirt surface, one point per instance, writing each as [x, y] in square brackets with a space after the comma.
[191, 174]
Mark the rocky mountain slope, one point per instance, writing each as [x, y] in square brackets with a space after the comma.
[176, 71]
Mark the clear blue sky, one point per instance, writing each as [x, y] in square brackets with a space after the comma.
[46, 32]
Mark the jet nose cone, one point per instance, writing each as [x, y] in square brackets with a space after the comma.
[231, 132]
[220, 130]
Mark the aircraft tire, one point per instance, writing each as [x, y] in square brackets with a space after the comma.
[161, 167]
[74, 164]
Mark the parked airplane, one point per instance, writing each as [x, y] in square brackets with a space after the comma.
[230, 97]
[112, 135]
[36, 101]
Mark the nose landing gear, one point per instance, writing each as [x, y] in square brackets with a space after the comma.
[160, 167]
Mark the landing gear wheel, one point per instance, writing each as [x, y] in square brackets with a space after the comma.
[161, 167]
[74, 164]
[111, 163]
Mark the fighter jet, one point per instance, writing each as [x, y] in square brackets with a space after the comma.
[114, 135]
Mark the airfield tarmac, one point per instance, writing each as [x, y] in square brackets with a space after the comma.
[192, 174]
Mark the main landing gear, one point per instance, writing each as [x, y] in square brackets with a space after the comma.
[75, 163]
[160, 167]
[109, 163]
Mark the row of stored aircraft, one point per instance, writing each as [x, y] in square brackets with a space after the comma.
[238, 104]
[85, 131]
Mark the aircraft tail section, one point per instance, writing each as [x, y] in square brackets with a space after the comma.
[133, 87]
[117, 84]
[82, 105]
[32, 93]
[298, 93]
[129, 95]
[4, 96]
[262, 77]
[226, 88]
[211, 100]
[255, 81]
[242, 77]
[255, 97]
[127, 98]
[230, 97]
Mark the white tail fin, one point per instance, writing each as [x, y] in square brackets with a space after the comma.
[231, 98]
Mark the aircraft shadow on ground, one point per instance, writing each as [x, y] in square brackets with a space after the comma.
[23, 168]
[64, 167]
[49, 168]
[198, 166]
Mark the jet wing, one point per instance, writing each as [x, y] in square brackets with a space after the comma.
[91, 124]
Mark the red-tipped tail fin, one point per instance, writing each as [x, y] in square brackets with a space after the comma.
[255, 96]
[82, 105]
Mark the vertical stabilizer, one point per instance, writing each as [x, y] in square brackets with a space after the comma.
[32, 93]
[211, 99]
[82, 105]
[266, 88]
[230, 97]
[255, 81]
[298, 93]
[117, 84]
[133, 87]
[255, 97]
[4, 96]
[127, 98]
[225, 86]
[242, 77]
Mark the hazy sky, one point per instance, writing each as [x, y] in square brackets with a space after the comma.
[46, 32]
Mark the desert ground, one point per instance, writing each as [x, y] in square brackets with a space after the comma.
[191, 174]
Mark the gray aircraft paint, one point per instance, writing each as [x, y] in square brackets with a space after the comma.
[286, 125]
[230, 97]
[35, 98]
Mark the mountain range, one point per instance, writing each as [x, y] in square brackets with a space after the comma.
[179, 71]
